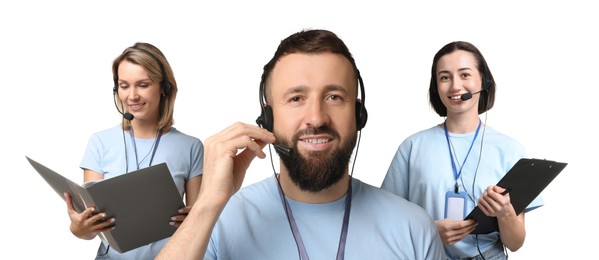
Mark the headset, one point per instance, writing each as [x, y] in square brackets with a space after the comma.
[165, 85]
[266, 118]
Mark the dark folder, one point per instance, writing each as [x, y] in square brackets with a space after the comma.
[525, 181]
[142, 203]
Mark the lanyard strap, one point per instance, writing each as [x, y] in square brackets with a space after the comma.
[345, 225]
[296, 234]
[456, 173]
[155, 145]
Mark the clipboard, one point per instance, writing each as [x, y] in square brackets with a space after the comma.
[525, 181]
[142, 203]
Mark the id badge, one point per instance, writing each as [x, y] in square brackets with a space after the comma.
[455, 205]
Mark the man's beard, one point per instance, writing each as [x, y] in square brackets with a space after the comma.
[320, 170]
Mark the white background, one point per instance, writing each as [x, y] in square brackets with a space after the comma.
[56, 91]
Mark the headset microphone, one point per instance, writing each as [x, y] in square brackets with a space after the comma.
[468, 95]
[283, 149]
[126, 115]
[265, 121]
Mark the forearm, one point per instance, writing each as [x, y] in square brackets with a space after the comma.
[512, 231]
[190, 241]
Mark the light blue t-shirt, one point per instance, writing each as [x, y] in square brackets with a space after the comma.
[421, 171]
[382, 225]
[109, 151]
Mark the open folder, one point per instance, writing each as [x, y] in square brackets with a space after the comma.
[142, 203]
[524, 182]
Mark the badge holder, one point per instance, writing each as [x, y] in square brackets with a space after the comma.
[455, 205]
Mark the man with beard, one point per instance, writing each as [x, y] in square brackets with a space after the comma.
[313, 208]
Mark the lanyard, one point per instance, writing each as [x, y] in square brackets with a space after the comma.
[456, 173]
[155, 145]
[298, 238]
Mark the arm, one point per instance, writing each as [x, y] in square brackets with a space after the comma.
[224, 171]
[192, 189]
[511, 226]
[87, 224]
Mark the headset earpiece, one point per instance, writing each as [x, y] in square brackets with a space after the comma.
[166, 86]
[265, 120]
[361, 115]
[486, 83]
